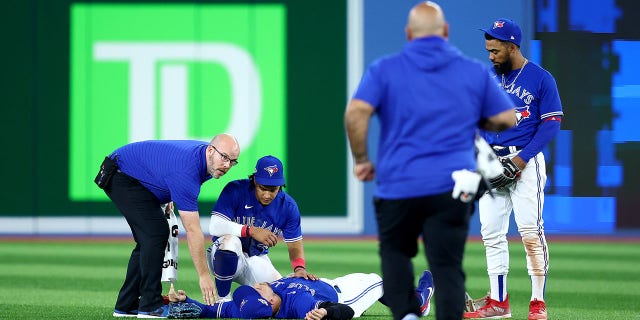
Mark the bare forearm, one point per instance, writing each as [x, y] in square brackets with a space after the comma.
[295, 250]
[501, 121]
[358, 143]
[195, 240]
[356, 121]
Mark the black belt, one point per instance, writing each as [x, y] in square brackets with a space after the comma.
[505, 151]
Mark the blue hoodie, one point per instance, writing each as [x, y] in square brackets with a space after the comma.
[429, 99]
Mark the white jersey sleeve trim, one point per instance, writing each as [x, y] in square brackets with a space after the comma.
[551, 114]
[294, 239]
[221, 225]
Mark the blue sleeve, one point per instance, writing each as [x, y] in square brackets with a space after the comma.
[546, 131]
[301, 303]
[370, 88]
[227, 203]
[292, 231]
[218, 310]
[550, 104]
[184, 191]
[551, 116]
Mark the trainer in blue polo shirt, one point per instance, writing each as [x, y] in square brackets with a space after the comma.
[430, 101]
[248, 218]
[138, 178]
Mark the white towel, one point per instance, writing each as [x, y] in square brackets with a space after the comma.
[170, 264]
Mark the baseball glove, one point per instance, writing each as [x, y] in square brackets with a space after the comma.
[510, 174]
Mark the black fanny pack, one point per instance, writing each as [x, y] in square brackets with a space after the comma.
[108, 168]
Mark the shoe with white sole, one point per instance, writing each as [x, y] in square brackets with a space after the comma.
[425, 292]
[493, 309]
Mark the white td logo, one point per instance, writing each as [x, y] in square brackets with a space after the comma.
[246, 89]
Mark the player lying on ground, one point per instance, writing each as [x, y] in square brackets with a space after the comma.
[342, 298]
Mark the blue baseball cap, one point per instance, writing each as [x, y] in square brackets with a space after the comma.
[269, 171]
[505, 30]
[251, 304]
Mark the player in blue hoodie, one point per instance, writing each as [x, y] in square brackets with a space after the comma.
[430, 100]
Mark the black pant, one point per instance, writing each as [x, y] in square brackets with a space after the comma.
[444, 224]
[142, 288]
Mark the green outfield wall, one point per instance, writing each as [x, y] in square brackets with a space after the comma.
[87, 77]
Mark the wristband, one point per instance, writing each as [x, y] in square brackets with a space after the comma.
[246, 231]
[298, 263]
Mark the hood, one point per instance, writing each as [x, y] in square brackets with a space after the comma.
[430, 53]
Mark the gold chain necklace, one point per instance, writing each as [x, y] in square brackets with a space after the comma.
[504, 85]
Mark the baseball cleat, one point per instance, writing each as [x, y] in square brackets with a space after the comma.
[425, 292]
[493, 309]
[537, 310]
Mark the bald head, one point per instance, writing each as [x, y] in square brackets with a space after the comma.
[426, 19]
[228, 142]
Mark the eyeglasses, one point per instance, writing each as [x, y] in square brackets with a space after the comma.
[225, 157]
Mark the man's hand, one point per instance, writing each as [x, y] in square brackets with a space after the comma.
[168, 208]
[510, 174]
[195, 240]
[302, 273]
[179, 296]
[316, 314]
[264, 236]
[209, 292]
[364, 171]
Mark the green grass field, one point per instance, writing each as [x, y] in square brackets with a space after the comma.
[57, 279]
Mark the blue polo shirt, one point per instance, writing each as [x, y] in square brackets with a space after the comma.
[429, 99]
[173, 170]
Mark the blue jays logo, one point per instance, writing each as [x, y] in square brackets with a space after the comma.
[498, 24]
[271, 170]
[522, 113]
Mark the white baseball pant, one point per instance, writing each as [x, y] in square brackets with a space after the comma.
[526, 199]
[357, 290]
[251, 270]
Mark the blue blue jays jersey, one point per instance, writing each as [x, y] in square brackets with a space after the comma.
[238, 203]
[300, 295]
[171, 170]
[535, 96]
